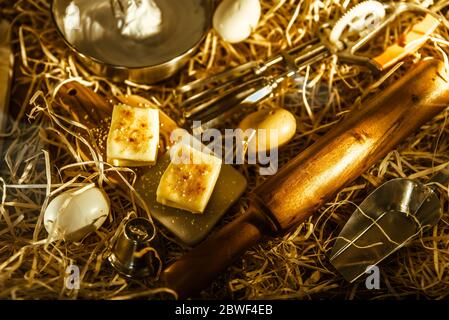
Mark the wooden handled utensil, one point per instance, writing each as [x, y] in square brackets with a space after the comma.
[310, 179]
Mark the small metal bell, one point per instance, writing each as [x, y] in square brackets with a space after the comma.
[134, 254]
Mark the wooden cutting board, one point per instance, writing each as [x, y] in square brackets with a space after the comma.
[95, 112]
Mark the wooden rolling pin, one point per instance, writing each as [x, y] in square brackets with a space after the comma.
[318, 173]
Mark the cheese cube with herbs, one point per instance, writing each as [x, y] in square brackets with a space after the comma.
[134, 136]
[189, 179]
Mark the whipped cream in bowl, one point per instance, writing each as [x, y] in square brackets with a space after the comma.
[144, 41]
[137, 19]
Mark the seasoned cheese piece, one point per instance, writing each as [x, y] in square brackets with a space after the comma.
[189, 180]
[134, 136]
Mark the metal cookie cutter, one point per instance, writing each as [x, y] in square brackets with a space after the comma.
[215, 97]
[135, 253]
[385, 221]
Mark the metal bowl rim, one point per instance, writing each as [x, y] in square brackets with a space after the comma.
[118, 67]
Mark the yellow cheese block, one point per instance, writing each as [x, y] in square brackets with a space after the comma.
[189, 179]
[134, 136]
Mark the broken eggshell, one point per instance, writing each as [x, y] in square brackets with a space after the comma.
[278, 124]
[235, 20]
[74, 214]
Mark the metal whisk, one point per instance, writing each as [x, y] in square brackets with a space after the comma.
[215, 97]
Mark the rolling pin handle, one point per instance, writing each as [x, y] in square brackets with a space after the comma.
[198, 268]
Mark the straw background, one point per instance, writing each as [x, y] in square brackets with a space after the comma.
[42, 159]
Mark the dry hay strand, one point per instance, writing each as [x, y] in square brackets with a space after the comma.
[42, 158]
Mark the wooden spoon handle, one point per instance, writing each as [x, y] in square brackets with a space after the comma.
[84, 104]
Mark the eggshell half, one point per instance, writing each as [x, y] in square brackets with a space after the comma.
[71, 217]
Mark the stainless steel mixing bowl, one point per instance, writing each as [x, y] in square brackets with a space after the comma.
[146, 61]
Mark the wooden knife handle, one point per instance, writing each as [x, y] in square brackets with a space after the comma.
[410, 43]
[315, 175]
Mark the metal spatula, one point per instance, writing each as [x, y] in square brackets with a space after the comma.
[386, 220]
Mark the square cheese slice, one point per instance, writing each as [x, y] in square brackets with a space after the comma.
[134, 136]
[189, 180]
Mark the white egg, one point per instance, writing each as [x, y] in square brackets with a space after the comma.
[72, 215]
[235, 20]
